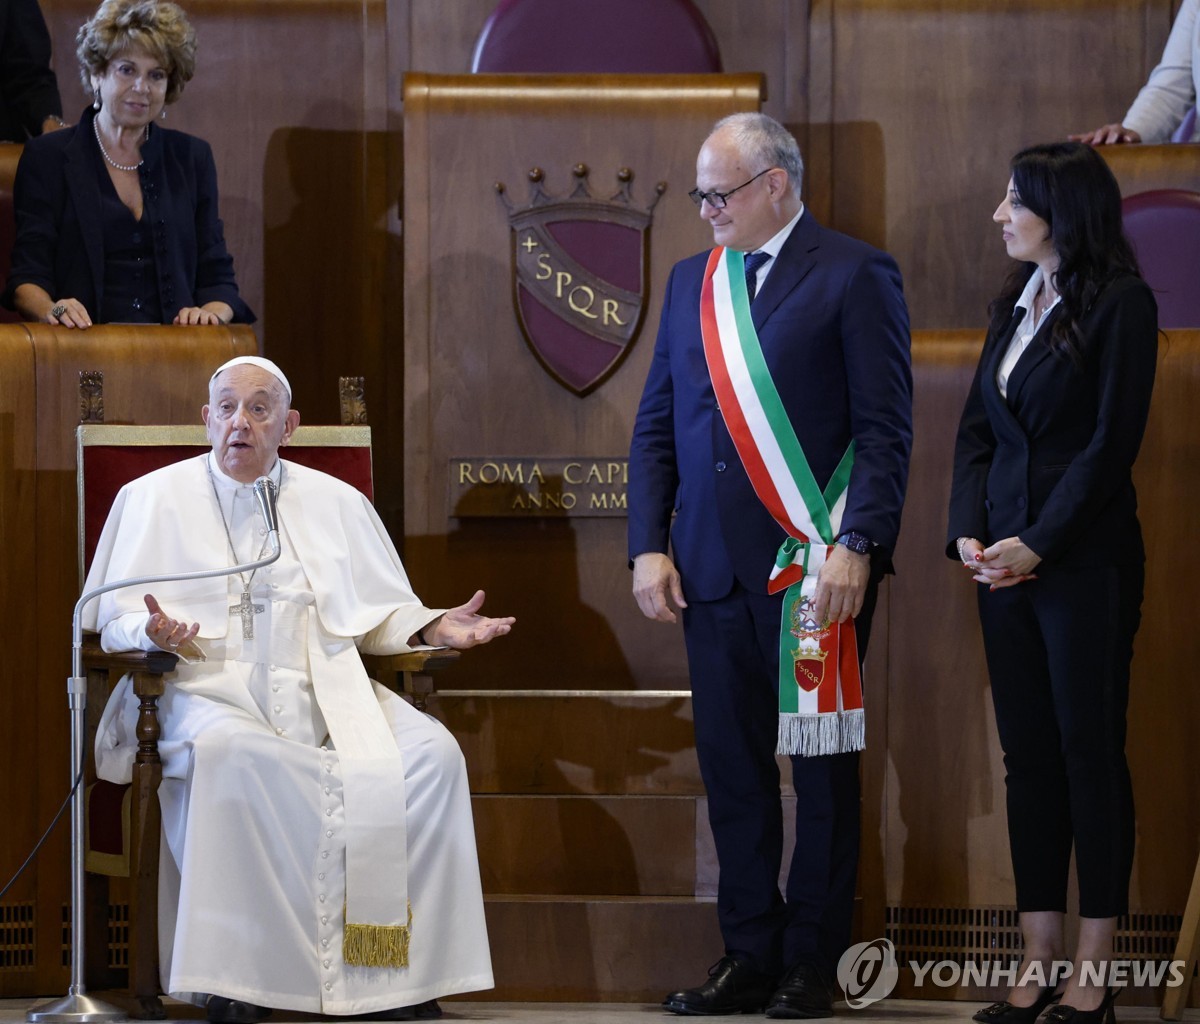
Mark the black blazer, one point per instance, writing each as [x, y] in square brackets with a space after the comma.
[28, 88]
[1052, 464]
[60, 243]
[834, 330]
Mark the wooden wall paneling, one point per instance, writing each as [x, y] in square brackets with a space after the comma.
[587, 845]
[816, 132]
[442, 35]
[931, 98]
[19, 616]
[1164, 706]
[630, 949]
[767, 37]
[547, 743]
[874, 767]
[945, 802]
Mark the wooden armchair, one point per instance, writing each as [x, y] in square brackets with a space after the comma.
[123, 822]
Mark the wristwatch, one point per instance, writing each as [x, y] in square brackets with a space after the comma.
[859, 543]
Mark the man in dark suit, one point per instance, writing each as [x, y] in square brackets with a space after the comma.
[29, 100]
[830, 316]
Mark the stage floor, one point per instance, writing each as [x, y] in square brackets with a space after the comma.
[889, 1011]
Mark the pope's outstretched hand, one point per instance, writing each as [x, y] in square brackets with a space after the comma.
[170, 634]
[463, 626]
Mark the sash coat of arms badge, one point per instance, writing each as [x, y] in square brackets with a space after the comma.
[580, 274]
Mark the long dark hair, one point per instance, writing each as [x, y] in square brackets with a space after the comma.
[1071, 188]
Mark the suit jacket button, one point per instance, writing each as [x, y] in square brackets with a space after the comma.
[720, 467]
[1020, 503]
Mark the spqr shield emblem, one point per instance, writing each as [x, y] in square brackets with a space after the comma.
[580, 276]
[809, 654]
[809, 667]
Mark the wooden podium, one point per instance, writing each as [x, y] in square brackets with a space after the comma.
[1147, 168]
[577, 726]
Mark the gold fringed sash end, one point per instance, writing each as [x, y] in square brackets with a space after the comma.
[377, 945]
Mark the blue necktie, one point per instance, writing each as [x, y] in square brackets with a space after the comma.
[753, 262]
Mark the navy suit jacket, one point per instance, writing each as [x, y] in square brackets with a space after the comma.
[60, 244]
[1052, 463]
[834, 330]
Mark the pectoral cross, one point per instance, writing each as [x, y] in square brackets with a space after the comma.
[247, 610]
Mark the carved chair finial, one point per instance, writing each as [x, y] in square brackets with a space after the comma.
[353, 400]
[91, 396]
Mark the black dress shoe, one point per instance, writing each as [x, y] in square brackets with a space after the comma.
[733, 986]
[804, 993]
[1005, 1013]
[1102, 1014]
[233, 1011]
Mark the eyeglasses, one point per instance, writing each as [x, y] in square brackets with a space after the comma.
[717, 200]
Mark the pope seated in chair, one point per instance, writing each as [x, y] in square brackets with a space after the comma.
[319, 853]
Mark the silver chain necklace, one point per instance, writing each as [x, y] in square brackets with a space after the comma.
[104, 152]
[246, 609]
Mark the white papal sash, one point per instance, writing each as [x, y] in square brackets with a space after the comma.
[820, 690]
[378, 917]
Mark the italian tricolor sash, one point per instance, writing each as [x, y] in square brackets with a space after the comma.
[820, 690]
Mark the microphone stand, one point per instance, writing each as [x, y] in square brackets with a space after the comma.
[77, 1005]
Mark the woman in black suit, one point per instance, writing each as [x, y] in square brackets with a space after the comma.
[1043, 515]
[117, 217]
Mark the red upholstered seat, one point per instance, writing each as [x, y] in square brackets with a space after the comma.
[1164, 228]
[112, 455]
[579, 36]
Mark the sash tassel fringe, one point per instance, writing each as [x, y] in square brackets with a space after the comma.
[377, 945]
[815, 735]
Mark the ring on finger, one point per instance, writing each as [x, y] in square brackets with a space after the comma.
[57, 311]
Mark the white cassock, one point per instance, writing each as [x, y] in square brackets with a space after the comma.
[297, 795]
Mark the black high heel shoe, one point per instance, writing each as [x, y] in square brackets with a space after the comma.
[1102, 1014]
[1005, 1013]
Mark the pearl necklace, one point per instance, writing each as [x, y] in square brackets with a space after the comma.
[104, 152]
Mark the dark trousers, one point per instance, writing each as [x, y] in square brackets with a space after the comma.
[733, 659]
[1058, 651]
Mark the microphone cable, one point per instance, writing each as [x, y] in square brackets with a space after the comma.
[45, 835]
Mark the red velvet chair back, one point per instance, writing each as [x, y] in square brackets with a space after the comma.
[581, 36]
[110, 455]
[1164, 228]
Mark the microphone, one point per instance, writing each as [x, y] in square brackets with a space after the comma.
[264, 494]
